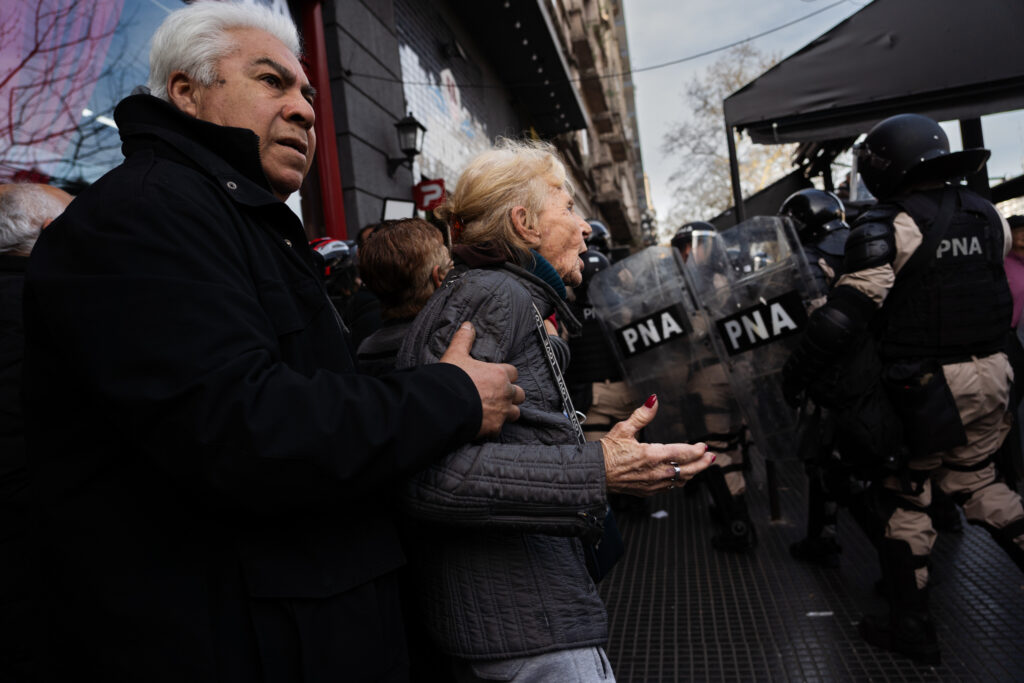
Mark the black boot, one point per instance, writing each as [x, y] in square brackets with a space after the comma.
[819, 546]
[738, 536]
[908, 628]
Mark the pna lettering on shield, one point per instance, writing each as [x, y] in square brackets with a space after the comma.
[762, 323]
[650, 331]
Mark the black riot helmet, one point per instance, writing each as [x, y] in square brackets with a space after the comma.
[683, 239]
[815, 213]
[593, 263]
[600, 238]
[909, 148]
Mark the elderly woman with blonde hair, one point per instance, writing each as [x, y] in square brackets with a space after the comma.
[504, 523]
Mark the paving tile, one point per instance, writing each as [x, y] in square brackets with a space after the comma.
[682, 611]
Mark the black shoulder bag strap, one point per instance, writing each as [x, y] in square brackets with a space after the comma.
[549, 352]
[603, 555]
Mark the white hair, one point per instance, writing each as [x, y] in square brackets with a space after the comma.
[24, 210]
[194, 38]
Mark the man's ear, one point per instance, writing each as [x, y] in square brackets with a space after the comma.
[184, 94]
[519, 221]
[436, 277]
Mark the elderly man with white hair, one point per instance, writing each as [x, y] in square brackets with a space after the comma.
[213, 473]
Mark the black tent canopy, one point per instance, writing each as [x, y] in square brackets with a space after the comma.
[947, 59]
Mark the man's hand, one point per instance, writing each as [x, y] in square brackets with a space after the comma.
[642, 469]
[499, 397]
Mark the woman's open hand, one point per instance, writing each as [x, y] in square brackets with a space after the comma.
[643, 469]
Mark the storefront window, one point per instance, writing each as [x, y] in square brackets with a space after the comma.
[64, 66]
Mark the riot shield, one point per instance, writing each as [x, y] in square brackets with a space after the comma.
[663, 344]
[756, 287]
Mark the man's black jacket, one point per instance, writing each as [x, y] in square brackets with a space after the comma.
[214, 476]
[18, 570]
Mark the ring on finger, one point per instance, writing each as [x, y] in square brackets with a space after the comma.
[675, 476]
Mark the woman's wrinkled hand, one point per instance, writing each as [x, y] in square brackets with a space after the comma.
[643, 469]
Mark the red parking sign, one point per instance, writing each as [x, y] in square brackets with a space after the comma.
[428, 194]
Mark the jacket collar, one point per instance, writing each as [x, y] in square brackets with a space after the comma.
[548, 300]
[230, 155]
[11, 263]
[487, 255]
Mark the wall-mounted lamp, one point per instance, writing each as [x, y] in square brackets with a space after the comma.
[410, 141]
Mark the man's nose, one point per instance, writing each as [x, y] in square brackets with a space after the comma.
[300, 110]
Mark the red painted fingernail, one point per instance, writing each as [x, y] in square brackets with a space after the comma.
[651, 400]
[713, 456]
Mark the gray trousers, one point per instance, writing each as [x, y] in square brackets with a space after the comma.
[582, 665]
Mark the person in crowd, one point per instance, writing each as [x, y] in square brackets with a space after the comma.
[599, 238]
[25, 209]
[594, 378]
[1014, 266]
[924, 273]
[723, 427]
[364, 234]
[210, 466]
[503, 583]
[402, 263]
[362, 312]
[336, 260]
[820, 221]
[1010, 460]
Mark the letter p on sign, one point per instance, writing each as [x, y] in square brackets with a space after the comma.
[428, 194]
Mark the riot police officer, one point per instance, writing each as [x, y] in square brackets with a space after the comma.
[600, 239]
[820, 221]
[338, 260]
[682, 241]
[708, 383]
[924, 274]
[594, 377]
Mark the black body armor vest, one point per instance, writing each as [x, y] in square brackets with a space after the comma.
[592, 357]
[960, 305]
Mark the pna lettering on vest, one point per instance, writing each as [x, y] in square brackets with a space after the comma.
[650, 331]
[959, 246]
[763, 323]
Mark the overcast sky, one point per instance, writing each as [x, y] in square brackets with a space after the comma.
[665, 30]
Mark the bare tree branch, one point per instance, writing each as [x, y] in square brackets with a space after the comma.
[62, 46]
[701, 185]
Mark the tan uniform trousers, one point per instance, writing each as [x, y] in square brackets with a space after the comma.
[981, 387]
[612, 402]
[722, 416]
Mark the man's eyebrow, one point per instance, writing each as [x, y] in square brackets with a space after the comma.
[286, 74]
